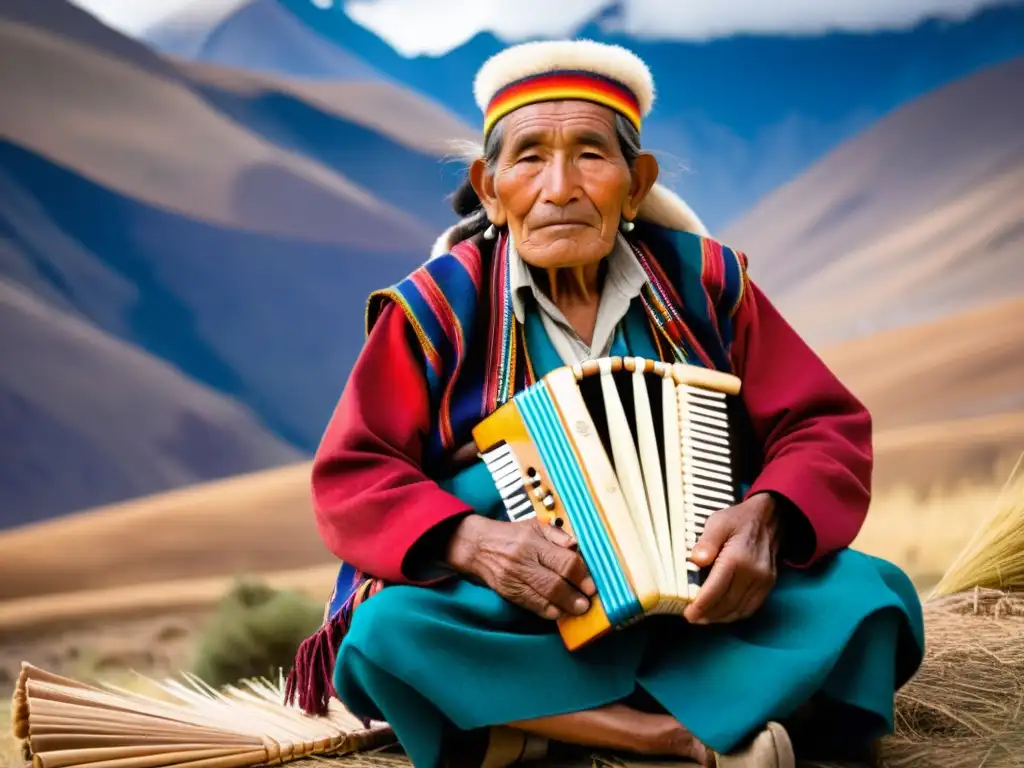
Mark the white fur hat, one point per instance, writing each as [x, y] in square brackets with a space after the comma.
[549, 70]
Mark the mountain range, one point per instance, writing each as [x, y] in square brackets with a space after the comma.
[186, 247]
[734, 117]
[918, 218]
[209, 235]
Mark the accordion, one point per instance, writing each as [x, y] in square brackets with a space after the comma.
[630, 456]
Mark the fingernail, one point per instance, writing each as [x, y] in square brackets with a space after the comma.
[553, 613]
[581, 604]
[588, 586]
[700, 553]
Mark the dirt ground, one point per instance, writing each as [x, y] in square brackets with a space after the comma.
[153, 646]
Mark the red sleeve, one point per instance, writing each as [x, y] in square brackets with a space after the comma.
[816, 436]
[372, 501]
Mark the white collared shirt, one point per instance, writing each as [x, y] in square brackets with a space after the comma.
[624, 280]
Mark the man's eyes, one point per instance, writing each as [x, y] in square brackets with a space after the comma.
[533, 158]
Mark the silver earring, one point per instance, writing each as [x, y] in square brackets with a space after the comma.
[490, 233]
[627, 226]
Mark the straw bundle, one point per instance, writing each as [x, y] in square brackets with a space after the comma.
[63, 723]
[994, 557]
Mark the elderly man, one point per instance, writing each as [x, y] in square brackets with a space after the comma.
[443, 621]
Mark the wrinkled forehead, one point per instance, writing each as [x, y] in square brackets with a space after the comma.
[559, 123]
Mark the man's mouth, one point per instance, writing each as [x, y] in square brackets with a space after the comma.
[564, 225]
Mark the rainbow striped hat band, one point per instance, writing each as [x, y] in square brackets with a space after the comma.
[564, 69]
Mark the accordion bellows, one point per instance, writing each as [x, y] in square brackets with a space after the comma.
[630, 456]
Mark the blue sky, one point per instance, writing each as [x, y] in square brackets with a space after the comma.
[433, 27]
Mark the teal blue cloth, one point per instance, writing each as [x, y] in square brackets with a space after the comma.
[459, 656]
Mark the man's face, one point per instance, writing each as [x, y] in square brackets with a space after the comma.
[561, 183]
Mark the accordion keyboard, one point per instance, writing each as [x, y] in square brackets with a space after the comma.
[510, 481]
[707, 465]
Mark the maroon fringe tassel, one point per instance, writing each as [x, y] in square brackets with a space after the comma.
[311, 679]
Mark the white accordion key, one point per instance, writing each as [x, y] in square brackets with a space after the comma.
[507, 476]
[654, 482]
[628, 472]
[707, 464]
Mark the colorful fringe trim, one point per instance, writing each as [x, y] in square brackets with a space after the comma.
[311, 679]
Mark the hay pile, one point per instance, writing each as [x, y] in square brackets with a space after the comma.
[965, 706]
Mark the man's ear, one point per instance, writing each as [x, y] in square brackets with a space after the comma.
[644, 175]
[483, 184]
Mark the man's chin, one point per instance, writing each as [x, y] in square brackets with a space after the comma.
[563, 252]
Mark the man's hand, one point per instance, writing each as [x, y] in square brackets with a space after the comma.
[740, 544]
[527, 563]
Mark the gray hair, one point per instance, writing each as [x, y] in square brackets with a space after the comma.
[467, 204]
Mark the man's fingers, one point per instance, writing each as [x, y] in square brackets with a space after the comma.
[520, 586]
[730, 599]
[763, 583]
[713, 589]
[557, 591]
[753, 579]
[557, 536]
[578, 575]
[532, 600]
[570, 566]
[753, 601]
[716, 532]
[731, 607]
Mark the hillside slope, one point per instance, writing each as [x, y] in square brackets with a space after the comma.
[947, 396]
[247, 524]
[918, 218]
[229, 224]
[959, 367]
[84, 416]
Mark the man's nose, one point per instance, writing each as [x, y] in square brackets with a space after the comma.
[561, 182]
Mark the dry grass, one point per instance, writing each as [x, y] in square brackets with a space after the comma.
[994, 557]
[923, 533]
[8, 744]
[965, 706]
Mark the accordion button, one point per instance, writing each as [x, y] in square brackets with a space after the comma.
[548, 502]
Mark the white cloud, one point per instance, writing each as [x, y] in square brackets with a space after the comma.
[433, 27]
[130, 16]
